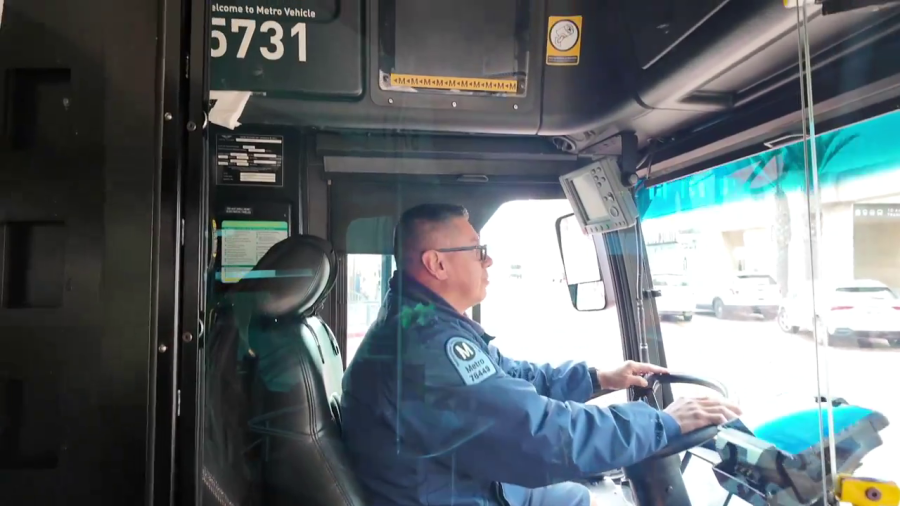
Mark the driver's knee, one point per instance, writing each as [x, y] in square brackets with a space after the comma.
[559, 494]
[594, 500]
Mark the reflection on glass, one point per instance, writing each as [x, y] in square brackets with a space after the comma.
[881, 292]
[589, 296]
[742, 233]
[368, 278]
[367, 282]
[579, 252]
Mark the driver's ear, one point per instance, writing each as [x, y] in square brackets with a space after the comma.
[434, 264]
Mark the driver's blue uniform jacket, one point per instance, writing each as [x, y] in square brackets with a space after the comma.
[433, 414]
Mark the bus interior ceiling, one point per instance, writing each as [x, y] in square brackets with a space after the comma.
[99, 154]
[697, 84]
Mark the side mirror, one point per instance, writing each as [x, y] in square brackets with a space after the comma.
[580, 265]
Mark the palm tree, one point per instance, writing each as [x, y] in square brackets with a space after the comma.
[782, 231]
[773, 169]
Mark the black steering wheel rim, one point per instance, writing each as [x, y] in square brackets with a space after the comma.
[687, 441]
[694, 438]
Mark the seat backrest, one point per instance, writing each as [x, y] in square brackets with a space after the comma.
[274, 374]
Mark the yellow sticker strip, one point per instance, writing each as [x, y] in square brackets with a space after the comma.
[455, 83]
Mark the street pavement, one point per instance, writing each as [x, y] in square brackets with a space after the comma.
[772, 373]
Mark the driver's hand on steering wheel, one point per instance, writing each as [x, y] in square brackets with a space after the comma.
[696, 413]
[629, 374]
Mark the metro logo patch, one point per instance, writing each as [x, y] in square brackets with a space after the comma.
[472, 364]
[463, 351]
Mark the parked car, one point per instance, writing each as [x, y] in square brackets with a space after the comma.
[677, 296]
[754, 293]
[861, 309]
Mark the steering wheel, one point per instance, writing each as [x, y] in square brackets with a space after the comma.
[693, 438]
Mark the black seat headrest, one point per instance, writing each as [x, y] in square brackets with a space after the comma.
[292, 278]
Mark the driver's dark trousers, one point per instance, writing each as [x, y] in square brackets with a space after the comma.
[561, 494]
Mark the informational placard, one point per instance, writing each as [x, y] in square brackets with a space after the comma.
[564, 40]
[246, 159]
[289, 46]
[244, 243]
[244, 20]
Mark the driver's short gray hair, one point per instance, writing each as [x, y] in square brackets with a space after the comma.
[413, 226]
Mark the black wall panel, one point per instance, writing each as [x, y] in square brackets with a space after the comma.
[80, 130]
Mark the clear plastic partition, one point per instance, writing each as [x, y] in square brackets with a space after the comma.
[850, 293]
[528, 307]
[780, 277]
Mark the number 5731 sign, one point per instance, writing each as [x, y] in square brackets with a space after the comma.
[250, 36]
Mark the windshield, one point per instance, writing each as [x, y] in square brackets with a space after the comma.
[719, 235]
[771, 346]
[867, 292]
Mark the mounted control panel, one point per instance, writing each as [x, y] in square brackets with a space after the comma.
[600, 201]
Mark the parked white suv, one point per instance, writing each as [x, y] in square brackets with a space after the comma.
[752, 293]
[676, 296]
[862, 309]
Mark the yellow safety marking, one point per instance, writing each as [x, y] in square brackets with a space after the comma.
[866, 491]
[455, 83]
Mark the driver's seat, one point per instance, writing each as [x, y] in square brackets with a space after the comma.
[274, 374]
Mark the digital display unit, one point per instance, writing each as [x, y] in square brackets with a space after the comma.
[599, 200]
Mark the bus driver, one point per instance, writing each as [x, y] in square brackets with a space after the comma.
[433, 414]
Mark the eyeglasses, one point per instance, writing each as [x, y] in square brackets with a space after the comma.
[481, 248]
